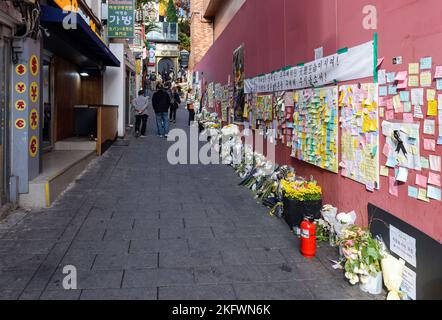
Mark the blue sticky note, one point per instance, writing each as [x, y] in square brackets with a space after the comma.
[434, 193]
[405, 96]
[412, 192]
[391, 162]
[439, 84]
[390, 77]
[383, 91]
[392, 89]
[439, 141]
[426, 63]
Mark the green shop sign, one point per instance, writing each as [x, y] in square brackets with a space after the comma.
[121, 19]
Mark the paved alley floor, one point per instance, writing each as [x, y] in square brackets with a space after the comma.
[136, 227]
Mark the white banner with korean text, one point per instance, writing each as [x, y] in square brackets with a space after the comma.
[356, 63]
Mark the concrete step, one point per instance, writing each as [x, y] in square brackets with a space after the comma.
[76, 144]
[60, 168]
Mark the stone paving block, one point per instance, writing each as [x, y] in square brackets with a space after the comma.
[120, 294]
[186, 233]
[189, 259]
[141, 223]
[287, 290]
[275, 242]
[200, 292]
[87, 279]
[142, 278]
[284, 272]
[61, 295]
[216, 244]
[21, 261]
[80, 260]
[15, 279]
[99, 246]
[9, 294]
[228, 274]
[25, 246]
[151, 246]
[125, 261]
[148, 233]
[239, 232]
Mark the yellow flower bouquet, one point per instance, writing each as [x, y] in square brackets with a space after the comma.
[301, 190]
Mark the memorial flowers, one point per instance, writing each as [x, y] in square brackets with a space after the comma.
[362, 254]
[301, 190]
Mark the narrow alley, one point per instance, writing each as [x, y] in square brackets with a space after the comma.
[136, 227]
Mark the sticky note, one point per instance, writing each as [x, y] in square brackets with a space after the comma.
[417, 96]
[434, 179]
[429, 126]
[429, 145]
[390, 77]
[408, 118]
[382, 77]
[413, 68]
[439, 141]
[431, 94]
[421, 180]
[422, 195]
[392, 89]
[402, 174]
[412, 192]
[384, 171]
[426, 79]
[413, 81]
[397, 104]
[387, 149]
[432, 108]
[383, 91]
[401, 76]
[439, 84]
[418, 112]
[381, 112]
[393, 187]
[434, 193]
[426, 63]
[407, 106]
[391, 162]
[438, 74]
[435, 163]
[425, 163]
[405, 96]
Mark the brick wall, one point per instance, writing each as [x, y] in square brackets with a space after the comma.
[201, 32]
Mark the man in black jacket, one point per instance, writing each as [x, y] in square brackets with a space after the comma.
[161, 105]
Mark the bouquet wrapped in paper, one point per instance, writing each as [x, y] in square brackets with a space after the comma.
[392, 270]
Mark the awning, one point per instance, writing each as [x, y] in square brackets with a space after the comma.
[82, 38]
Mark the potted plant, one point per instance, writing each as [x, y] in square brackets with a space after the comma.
[300, 198]
[362, 259]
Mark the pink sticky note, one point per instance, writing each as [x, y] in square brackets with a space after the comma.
[389, 115]
[408, 117]
[438, 74]
[390, 104]
[380, 61]
[393, 187]
[382, 102]
[421, 180]
[402, 84]
[401, 76]
[386, 150]
[434, 179]
[429, 145]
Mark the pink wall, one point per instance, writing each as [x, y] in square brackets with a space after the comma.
[278, 33]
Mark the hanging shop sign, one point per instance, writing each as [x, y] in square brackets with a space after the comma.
[121, 19]
[351, 64]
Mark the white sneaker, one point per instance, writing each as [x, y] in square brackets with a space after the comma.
[142, 136]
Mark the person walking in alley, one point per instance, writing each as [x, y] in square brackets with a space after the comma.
[140, 105]
[190, 103]
[175, 102]
[161, 104]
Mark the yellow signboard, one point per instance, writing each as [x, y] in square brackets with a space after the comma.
[67, 5]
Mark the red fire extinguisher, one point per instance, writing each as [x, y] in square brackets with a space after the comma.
[308, 238]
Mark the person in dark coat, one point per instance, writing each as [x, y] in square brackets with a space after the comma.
[161, 104]
[175, 103]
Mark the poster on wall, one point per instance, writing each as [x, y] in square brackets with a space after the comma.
[360, 134]
[238, 83]
[315, 134]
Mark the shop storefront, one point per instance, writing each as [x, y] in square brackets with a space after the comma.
[75, 124]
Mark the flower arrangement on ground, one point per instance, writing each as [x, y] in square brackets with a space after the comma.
[362, 254]
[301, 190]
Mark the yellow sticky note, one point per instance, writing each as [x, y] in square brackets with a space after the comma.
[384, 171]
[431, 94]
[397, 102]
[413, 68]
[381, 112]
[423, 195]
[432, 108]
[413, 81]
[426, 79]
